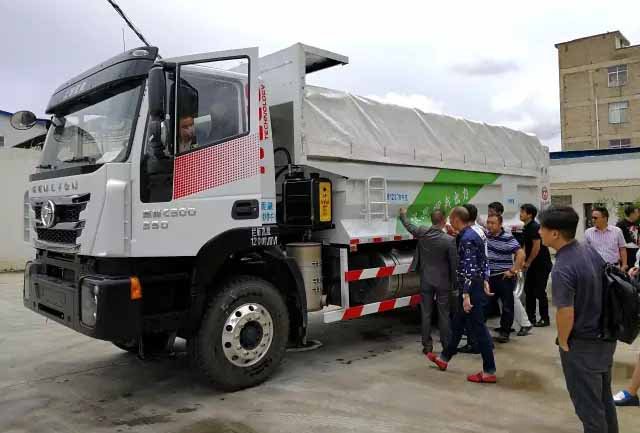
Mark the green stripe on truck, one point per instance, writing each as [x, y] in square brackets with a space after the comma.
[449, 188]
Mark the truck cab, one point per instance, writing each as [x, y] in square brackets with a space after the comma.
[153, 174]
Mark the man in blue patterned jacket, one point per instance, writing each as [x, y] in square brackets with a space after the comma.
[473, 276]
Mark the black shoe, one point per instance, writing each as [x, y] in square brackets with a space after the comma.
[524, 331]
[467, 348]
[542, 323]
[503, 338]
[498, 329]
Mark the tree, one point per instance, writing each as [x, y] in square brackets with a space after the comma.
[614, 206]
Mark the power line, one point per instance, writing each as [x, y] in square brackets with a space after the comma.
[129, 23]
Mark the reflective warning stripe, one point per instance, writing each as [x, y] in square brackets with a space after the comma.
[376, 307]
[379, 239]
[381, 272]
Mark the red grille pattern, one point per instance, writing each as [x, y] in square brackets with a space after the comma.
[216, 165]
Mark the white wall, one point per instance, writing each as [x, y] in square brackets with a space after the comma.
[595, 169]
[14, 136]
[580, 196]
[15, 167]
[609, 179]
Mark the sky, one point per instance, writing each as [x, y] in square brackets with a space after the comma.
[490, 61]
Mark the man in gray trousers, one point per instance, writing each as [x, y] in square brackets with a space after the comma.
[436, 261]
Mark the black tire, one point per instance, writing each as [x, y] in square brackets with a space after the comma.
[130, 346]
[206, 346]
[153, 343]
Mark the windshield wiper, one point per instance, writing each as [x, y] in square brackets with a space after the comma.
[81, 159]
[47, 166]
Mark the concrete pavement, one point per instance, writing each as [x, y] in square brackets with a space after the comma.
[369, 376]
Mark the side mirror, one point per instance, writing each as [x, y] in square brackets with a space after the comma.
[23, 120]
[157, 92]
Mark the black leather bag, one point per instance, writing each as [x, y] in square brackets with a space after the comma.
[621, 307]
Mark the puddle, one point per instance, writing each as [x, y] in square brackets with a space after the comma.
[217, 426]
[521, 380]
[622, 370]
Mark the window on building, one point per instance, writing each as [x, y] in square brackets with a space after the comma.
[618, 112]
[588, 210]
[620, 143]
[621, 43]
[617, 75]
[560, 200]
[1, 140]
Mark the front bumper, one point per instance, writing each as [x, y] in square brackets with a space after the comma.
[52, 295]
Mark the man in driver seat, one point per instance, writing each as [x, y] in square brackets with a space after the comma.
[186, 133]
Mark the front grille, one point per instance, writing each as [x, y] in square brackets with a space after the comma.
[57, 236]
[68, 211]
[64, 213]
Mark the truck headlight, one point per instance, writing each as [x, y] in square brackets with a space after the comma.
[89, 302]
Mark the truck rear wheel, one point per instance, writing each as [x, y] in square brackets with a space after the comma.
[243, 334]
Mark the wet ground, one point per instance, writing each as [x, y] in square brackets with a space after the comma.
[369, 376]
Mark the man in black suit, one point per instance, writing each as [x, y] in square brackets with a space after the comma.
[436, 261]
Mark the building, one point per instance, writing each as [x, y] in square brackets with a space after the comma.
[10, 137]
[19, 154]
[599, 92]
[582, 178]
[15, 166]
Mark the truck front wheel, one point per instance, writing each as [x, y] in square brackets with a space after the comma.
[243, 334]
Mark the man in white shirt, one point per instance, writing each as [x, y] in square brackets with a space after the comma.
[480, 230]
[606, 239]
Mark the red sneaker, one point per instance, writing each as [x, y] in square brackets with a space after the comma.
[442, 365]
[482, 378]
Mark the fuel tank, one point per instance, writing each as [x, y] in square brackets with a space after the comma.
[378, 289]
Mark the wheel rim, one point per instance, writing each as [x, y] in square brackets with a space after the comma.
[247, 335]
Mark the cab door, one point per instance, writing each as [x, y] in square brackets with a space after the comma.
[207, 179]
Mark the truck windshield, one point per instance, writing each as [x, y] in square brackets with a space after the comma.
[94, 134]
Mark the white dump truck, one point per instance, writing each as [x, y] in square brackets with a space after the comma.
[219, 198]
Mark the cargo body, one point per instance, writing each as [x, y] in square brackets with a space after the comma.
[219, 198]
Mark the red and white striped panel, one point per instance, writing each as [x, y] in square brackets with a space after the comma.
[217, 165]
[381, 272]
[376, 307]
[379, 239]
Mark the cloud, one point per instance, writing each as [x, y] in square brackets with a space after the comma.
[530, 114]
[485, 67]
[545, 129]
[414, 100]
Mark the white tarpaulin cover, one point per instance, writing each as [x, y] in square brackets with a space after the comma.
[340, 125]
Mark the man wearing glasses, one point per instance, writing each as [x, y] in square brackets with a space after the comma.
[606, 239]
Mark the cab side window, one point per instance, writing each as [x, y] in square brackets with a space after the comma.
[212, 104]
